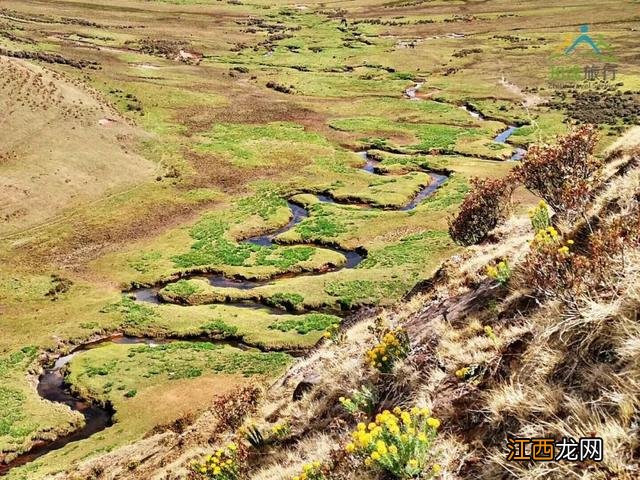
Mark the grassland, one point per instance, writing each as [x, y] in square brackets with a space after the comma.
[127, 376]
[126, 162]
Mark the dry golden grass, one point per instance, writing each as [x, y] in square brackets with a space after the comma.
[50, 137]
[556, 386]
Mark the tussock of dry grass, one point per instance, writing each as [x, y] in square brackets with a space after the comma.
[579, 375]
[285, 464]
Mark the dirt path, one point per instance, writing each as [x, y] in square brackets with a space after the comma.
[530, 100]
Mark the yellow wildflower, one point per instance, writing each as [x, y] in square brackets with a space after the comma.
[433, 423]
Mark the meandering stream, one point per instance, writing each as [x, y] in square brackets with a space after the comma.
[51, 385]
[299, 213]
[503, 137]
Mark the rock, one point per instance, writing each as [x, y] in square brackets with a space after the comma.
[307, 383]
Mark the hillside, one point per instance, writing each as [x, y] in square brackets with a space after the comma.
[60, 146]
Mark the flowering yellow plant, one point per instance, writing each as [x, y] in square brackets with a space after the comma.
[488, 331]
[546, 236]
[222, 465]
[280, 430]
[565, 250]
[539, 216]
[311, 471]
[398, 442]
[335, 334]
[500, 272]
[393, 346]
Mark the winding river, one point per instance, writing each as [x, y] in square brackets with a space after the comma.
[51, 384]
[52, 387]
[299, 213]
[412, 94]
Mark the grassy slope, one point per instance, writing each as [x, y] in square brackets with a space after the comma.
[58, 116]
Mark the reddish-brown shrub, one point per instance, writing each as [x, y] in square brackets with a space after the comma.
[232, 408]
[551, 268]
[606, 247]
[484, 207]
[565, 174]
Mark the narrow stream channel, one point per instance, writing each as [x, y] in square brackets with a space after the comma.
[502, 137]
[299, 213]
[52, 387]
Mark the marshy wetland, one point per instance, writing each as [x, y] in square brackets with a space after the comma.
[193, 192]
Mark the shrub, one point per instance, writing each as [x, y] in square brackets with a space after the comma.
[552, 268]
[607, 246]
[540, 219]
[312, 471]
[482, 209]
[393, 346]
[500, 272]
[398, 442]
[566, 174]
[223, 465]
[232, 408]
